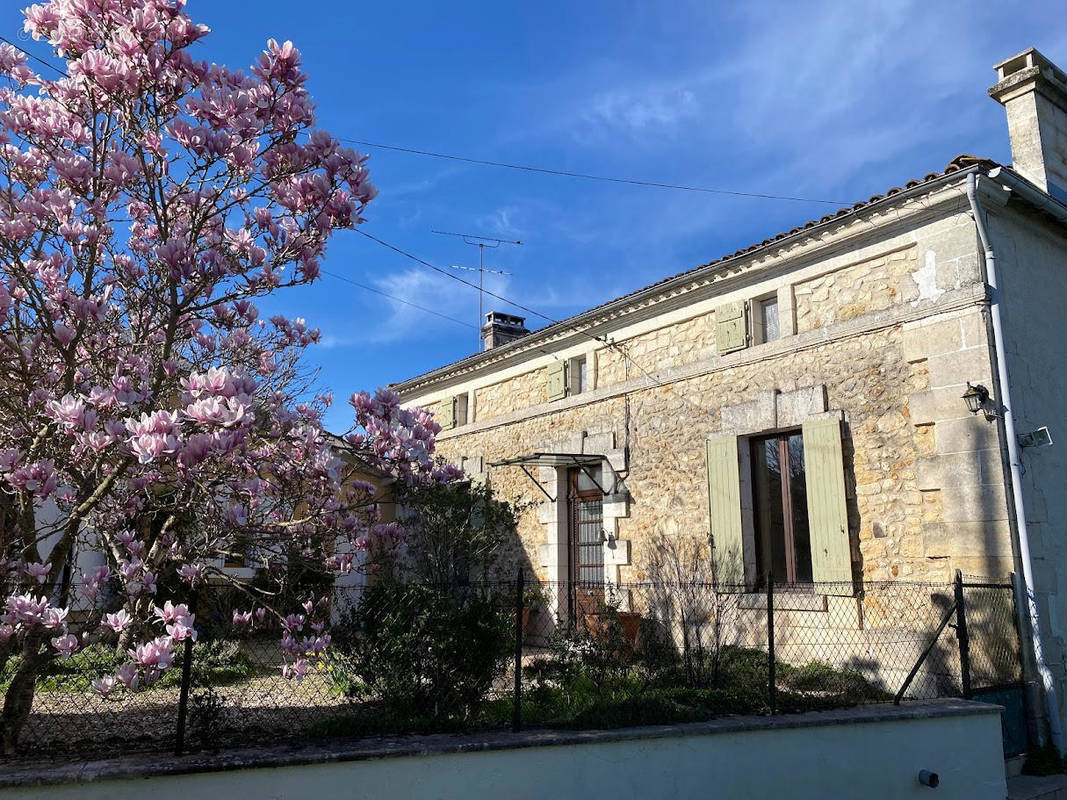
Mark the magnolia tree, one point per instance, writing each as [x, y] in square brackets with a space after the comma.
[147, 199]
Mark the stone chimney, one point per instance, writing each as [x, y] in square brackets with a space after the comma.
[502, 328]
[1033, 91]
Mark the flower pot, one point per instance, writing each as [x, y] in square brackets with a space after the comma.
[629, 621]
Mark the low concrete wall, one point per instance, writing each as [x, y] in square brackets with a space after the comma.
[873, 752]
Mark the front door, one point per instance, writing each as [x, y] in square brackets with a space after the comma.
[585, 537]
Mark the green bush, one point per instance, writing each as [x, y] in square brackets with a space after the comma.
[831, 686]
[219, 662]
[424, 651]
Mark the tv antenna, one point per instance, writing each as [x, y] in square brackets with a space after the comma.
[481, 242]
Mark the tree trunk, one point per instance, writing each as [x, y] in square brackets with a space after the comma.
[18, 701]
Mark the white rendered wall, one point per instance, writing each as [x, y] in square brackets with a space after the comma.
[870, 760]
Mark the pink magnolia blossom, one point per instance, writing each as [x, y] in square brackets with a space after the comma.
[27, 609]
[55, 617]
[154, 655]
[128, 676]
[65, 645]
[298, 670]
[293, 623]
[103, 686]
[192, 574]
[38, 571]
[117, 621]
[179, 632]
[174, 613]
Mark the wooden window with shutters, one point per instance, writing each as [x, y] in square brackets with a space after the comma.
[780, 508]
[556, 386]
[766, 326]
[577, 376]
[799, 520]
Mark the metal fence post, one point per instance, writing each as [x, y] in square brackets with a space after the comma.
[183, 695]
[771, 680]
[516, 711]
[961, 635]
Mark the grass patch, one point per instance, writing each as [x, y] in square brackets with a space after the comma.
[215, 663]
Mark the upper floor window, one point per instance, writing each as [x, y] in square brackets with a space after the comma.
[460, 405]
[577, 375]
[765, 326]
[452, 412]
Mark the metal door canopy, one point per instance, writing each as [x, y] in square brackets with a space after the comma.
[583, 461]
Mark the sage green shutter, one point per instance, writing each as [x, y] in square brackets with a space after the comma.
[831, 555]
[446, 414]
[724, 501]
[557, 380]
[730, 332]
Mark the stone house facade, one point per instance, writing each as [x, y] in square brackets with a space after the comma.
[841, 348]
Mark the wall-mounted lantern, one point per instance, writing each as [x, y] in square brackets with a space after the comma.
[977, 399]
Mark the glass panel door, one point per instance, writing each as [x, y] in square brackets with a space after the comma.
[780, 505]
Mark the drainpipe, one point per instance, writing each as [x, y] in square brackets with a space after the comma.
[1015, 462]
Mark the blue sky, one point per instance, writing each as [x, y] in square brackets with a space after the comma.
[823, 99]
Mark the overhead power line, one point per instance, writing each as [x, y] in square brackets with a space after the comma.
[561, 173]
[36, 58]
[398, 299]
[448, 274]
[588, 176]
[620, 348]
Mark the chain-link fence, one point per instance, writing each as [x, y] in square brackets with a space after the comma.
[527, 653]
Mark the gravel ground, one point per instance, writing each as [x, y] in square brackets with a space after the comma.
[266, 708]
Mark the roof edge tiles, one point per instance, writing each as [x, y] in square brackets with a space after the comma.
[960, 163]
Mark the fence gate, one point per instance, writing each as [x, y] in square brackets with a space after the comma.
[991, 654]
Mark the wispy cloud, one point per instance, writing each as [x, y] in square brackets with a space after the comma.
[332, 341]
[647, 109]
[828, 86]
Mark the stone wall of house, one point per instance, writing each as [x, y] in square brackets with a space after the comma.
[514, 393]
[872, 285]
[887, 335]
[669, 346]
[896, 435]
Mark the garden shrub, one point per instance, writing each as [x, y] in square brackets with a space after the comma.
[424, 651]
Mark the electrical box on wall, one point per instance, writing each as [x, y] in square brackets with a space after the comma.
[1039, 438]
